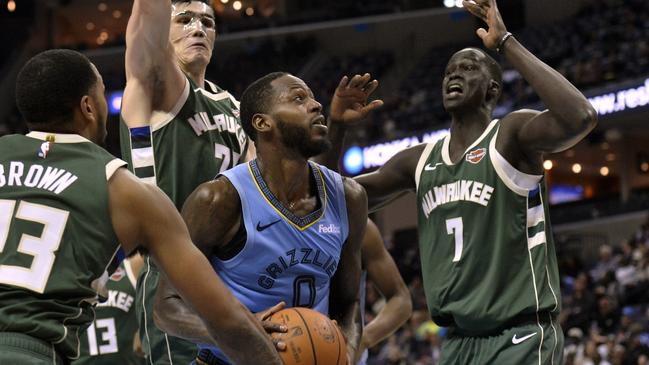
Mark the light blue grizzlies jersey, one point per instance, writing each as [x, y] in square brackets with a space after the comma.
[285, 257]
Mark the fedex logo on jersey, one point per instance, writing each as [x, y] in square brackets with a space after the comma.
[476, 156]
[331, 229]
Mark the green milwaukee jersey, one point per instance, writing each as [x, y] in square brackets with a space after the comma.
[198, 139]
[109, 339]
[486, 246]
[56, 234]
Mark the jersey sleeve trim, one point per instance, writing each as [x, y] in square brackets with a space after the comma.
[112, 166]
[422, 161]
[167, 117]
[129, 272]
[518, 181]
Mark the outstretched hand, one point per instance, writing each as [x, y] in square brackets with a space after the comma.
[487, 11]
[349, 104]
[272, 327]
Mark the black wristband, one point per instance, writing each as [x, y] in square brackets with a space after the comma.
[504, 39]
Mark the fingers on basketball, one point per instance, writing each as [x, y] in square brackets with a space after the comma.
[311, 339]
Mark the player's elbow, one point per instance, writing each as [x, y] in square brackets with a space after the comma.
[584, 119]
[587, 118]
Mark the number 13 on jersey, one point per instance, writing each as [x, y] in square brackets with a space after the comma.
[455, 227]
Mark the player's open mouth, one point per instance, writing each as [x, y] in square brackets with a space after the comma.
[454, 89]
[319, 120]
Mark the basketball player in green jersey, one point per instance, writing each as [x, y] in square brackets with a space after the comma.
[65, 203]
[110, 338]
[488, 259]
[182, 129]
[179, 130]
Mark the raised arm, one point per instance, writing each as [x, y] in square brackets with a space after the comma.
[343, 298]
[142, 214]
[348, 106]
[383, 272]
[154, 82]
[212, 214]
[393, 179]
[569, 117]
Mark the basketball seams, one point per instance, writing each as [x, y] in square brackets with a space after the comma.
[308, 331]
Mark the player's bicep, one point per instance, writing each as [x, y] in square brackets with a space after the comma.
[347, 278]
[542, 132]
[153, 79]
[391, 180]
[212, 214]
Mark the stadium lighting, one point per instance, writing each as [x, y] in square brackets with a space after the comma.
[453, 3]
[576, 168]
[547, 164]
[11, 6]
[237, 5]
[604, 171]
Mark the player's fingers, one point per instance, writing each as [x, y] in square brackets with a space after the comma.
[482, 33]
[371, 86]
[271, 327]
[272, 310]
[475, 10]
[364, 80]
[375, 104]
[356, 80]
[343, 82]
[279, 345]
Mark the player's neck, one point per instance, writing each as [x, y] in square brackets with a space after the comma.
[196, 74]
[466, 127]
[287, 175]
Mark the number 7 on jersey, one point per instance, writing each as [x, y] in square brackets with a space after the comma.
[455, 227]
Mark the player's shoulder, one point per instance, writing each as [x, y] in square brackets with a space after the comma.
[219, 194]
[354, 192]
[518, 117]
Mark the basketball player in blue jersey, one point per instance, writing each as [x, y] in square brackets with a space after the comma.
[379, 267]
[279, 228]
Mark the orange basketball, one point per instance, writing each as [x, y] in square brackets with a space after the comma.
[312, 338]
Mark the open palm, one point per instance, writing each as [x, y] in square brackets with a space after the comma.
[487, 11]
[349, 104]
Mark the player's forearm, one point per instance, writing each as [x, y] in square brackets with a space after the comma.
[147, 36]
[347, 320]
[173, 317]
[246, 341]
[561, 98]
[394, 314]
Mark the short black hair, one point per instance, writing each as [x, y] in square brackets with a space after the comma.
[51, 84]
[494, 67]
[256, 99]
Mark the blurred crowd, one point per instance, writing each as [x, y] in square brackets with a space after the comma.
[605, 309]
